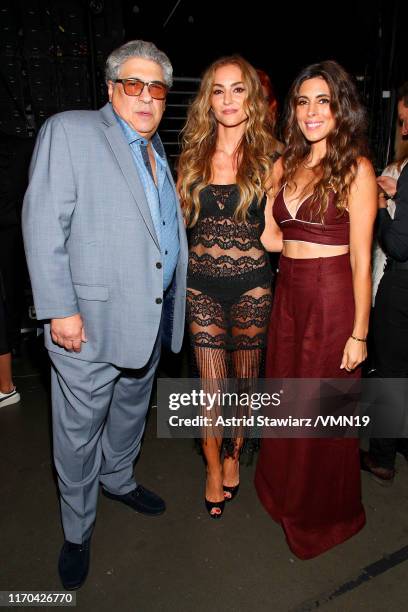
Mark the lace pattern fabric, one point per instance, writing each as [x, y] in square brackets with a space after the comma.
[223, 266]
[229, 275]
[229, 294]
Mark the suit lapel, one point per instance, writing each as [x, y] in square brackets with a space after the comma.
[123, 155]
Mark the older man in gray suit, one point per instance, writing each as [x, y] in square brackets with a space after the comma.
[107, 255]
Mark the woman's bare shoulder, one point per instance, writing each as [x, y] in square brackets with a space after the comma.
[364, 167]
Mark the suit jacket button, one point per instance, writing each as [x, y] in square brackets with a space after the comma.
[158, 300]
[158, 265]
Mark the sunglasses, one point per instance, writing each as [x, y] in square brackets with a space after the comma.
[134, 87]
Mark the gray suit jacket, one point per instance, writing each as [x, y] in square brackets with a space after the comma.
[91, 245]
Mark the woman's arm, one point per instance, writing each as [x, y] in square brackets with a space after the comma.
[178, 189]
[362, 206]
[272, 236]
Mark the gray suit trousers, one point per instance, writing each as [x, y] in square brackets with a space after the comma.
[99, 414]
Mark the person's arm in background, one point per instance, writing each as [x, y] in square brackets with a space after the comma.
[393, 233]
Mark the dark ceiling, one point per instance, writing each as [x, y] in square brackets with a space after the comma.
[53, 51]
[280, 37]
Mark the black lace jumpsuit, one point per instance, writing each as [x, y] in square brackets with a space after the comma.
[228, 287]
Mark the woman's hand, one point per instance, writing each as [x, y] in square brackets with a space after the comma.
[355, 352]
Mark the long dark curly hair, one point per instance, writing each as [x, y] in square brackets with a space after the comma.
[344, 145]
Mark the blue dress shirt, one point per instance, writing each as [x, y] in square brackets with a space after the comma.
[161, 197]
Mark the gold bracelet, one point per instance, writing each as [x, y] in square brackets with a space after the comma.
[358, 339]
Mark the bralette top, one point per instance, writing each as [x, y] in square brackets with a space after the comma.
[334, 231]
[222, 247]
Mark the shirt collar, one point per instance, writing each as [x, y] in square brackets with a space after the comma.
[132, 136]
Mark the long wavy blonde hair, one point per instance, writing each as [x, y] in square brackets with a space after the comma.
[255, 152]
[345, 144]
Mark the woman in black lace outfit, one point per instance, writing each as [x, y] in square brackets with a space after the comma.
[224, 169]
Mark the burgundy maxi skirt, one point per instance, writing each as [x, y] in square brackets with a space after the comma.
[311, 486]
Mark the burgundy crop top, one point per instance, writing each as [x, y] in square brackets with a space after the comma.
[334, 231]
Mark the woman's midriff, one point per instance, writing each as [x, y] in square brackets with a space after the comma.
[309, 250]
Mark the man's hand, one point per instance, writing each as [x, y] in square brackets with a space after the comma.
[68, 332]
[387, 184]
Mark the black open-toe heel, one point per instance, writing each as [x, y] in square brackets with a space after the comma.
[211, 505]
[231, 490]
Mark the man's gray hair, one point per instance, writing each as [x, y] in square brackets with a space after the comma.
[138, 48]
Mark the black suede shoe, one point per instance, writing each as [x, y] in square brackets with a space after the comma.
[381, 475]
[73, 564]
[140, 499]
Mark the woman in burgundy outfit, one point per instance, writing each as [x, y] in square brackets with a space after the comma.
[324, 210]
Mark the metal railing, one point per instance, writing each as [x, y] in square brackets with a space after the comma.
[178, 100]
